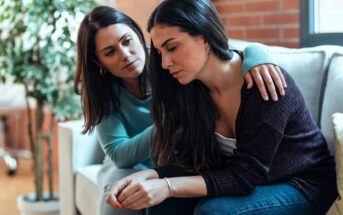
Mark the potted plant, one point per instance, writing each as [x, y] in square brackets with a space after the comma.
[38, 42]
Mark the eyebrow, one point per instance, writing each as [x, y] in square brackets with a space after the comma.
[121, 38]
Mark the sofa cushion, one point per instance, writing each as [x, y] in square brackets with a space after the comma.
[87, 196]
[337, 119]
[333, 99]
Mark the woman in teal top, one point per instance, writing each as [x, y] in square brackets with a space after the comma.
[112, 78]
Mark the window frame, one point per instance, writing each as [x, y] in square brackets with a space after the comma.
[307, 36]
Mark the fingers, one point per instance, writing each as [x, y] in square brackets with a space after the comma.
[115, 191]
[112, 200]
[131, 201]
[278, 70]
[140, 204]
[276, 79]
[259, 82]
[128, 191]
[249, 80]
[269, 82]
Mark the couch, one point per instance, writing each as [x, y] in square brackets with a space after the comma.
[318, 72]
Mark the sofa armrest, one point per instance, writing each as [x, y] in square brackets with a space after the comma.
[75, 151]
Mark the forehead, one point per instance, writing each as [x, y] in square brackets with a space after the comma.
[113, 31]
[160, 33]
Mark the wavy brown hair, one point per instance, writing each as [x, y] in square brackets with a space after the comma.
[185, 116]
[97, 94]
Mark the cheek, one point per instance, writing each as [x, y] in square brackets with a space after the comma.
[140, 51]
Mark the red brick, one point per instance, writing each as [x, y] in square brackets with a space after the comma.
[290, 32]
[243, 20]
[237, 34]
[262, 6]
[230, 8]
[290, 18]
[291, 4]
[261, 33]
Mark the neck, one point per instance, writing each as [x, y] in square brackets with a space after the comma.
[220, 76]
[132, 86]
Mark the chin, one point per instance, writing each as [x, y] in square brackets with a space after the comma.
[183, 81]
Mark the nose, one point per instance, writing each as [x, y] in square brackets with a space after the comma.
[125, 53]
[166, 61]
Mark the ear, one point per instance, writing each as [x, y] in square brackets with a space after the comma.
[207, 47]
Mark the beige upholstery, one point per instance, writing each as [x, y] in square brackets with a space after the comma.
[337, 119]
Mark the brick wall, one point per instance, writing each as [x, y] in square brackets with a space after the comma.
[139, 10]
[274, 22]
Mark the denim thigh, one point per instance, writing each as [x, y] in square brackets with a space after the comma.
[278, 199]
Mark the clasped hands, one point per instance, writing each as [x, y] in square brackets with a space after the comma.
[139, 190]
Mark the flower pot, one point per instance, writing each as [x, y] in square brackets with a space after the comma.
[27, 206]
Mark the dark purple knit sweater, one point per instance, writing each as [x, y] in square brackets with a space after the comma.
[276, 142]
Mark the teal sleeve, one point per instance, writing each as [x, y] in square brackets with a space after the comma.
[123, 150]
[255, 54]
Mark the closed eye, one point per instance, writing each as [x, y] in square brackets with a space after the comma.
[171, 49]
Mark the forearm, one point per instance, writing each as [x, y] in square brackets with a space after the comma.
[128, 152]
[186, 187]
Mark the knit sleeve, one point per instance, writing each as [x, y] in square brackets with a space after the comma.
[255, 54]
[123, 150]
[259, 134]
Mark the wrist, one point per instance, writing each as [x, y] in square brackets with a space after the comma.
[170, 188]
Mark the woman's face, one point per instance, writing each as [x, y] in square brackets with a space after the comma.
[120, 51]
[182, 54]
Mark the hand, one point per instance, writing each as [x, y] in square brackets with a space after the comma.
[144, 194]
[118, 186]
[268, 74]
[116, 189]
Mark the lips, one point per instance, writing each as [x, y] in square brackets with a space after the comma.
[175, 72]
[129, 64]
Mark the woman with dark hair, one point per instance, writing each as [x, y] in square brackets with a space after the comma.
[111, 77]
[215, 138]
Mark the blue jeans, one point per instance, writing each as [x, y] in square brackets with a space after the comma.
[278, 199]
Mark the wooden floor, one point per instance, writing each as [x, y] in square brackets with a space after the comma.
[20, 183]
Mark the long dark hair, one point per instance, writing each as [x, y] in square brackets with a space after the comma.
[97, 95]
[185, 116]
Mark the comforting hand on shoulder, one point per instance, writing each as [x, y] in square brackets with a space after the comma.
[267, 74]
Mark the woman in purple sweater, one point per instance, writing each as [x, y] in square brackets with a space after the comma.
[216, 139]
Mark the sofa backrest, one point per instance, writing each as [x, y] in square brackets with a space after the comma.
[318, 73]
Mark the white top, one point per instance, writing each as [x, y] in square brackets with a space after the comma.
[226, 144]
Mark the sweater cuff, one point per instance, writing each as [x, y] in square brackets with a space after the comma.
[209, 184]
[255, 54]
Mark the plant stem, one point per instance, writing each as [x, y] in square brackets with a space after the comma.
[50, 160]
[39, 161]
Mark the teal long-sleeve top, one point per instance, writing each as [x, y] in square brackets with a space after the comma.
[126, 135]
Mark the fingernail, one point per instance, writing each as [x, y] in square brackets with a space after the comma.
[266, 98]
[282, 92]
[275, 98]
[119, 206]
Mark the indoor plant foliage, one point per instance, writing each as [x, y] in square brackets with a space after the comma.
[38, 50]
